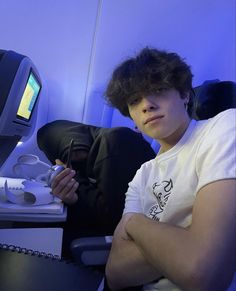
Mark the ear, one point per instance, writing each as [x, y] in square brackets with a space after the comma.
[186, 97]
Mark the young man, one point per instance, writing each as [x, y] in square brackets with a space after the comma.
[178, 227]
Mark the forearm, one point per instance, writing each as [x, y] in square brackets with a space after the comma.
[182, 255]
[164, 246]
[126, 266]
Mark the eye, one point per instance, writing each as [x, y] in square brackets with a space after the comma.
[161, 90]
[133, 102]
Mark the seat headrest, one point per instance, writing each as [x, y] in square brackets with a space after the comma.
[213, 97]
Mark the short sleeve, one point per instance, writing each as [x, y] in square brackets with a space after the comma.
[216, 156]
[133, 202]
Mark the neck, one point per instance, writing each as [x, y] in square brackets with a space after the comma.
[172, 140]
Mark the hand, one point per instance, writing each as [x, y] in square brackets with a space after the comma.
[64, 186]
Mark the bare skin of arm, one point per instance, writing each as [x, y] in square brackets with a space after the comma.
[194, 258]
[198, 257]
[126, 265]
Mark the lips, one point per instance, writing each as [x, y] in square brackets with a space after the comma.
[152, 119]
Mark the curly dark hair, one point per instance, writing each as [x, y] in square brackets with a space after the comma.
[145, 74]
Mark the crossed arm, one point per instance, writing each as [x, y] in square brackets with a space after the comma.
[201, 257]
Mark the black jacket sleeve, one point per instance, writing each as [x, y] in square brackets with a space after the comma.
[114, 158]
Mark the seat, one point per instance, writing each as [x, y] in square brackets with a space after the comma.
[20, 87]
[214, 96]
[91, 251]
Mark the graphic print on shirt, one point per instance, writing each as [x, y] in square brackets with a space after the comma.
[162, 192]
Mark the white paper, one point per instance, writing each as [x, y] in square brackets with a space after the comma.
[31, 193]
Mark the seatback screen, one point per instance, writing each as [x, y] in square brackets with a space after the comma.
[29, 98]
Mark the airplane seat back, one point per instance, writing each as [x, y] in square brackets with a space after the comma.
[20, 91]
[213, 97]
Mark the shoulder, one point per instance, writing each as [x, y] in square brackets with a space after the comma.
[224, 118]
[147, 167]
[216, 127]
[143, 174]
[221, 128]
[215, 154]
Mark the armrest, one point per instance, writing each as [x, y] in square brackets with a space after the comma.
[91, 251]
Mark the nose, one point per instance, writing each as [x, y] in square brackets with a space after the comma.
[147, 105]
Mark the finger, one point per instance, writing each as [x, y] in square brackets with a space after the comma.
[67, 194]
[59, 162]
[71, 196]
[65, 186]
[70, 187]
[62, 178]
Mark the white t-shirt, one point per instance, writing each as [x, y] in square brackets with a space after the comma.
[165, 188]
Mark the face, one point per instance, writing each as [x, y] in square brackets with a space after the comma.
[161, 116]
